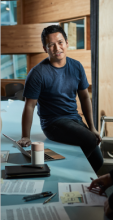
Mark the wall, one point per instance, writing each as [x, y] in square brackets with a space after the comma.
[54, 10]
[106, 62]
[29, 41]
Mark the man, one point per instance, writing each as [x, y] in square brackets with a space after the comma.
[53, 85]
[105, 181]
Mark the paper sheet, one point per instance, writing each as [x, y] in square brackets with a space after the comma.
[89, 198]
[1, 180]
[4, 156]
[53, 211]
[21, 187]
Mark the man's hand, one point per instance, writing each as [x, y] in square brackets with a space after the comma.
[107, 210]
[24, 142]
[99, 139]
[105, 181]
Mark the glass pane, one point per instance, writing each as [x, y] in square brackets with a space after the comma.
[20, 66]
[5, 16]
[8, 12]
[13, 8]
[75, 33]
[13, 66]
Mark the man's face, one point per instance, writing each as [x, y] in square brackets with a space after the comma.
[56, 47]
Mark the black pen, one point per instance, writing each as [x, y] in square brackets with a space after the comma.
[37, 196]
[30, 166]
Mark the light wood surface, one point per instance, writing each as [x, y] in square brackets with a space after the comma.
[55, 10]
[106, 62]
[22, 38]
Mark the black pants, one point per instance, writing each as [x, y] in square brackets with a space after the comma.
[75, 132]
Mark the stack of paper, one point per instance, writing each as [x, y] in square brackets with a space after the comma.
[71, 197]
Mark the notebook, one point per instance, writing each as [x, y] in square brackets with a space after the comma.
[24, 171]
[49, 155]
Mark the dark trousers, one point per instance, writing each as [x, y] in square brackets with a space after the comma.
[75, 132]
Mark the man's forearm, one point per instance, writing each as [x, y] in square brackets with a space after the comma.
[27, 121]
[87, 111]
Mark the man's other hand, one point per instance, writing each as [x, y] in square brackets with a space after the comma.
[105, 181]
[99, 139]
[24, 142]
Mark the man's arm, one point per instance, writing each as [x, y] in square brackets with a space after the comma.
[87, 111]
[27, 117]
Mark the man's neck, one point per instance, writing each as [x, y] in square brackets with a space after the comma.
[58, 64]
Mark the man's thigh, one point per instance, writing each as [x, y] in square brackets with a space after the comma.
[70, 132]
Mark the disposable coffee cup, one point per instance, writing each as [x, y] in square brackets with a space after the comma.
[37, 153]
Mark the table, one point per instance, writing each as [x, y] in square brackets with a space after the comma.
[75, 168]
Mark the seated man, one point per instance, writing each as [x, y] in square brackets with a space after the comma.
[53, 84]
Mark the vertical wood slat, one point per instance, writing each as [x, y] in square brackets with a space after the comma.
[106, 62]
[20, 12]
[87, 33]
[28, 62]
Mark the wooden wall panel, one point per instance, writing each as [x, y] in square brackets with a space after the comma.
[87, 33]
[22, 38]
[54, 10]
[84, 56]
[20, 12]
[106, 62]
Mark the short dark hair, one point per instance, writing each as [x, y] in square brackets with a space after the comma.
[52, 29]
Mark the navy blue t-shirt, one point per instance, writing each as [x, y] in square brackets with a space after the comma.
[56, 89]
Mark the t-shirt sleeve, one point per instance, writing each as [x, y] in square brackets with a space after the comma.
[83, 82]
[33, 85]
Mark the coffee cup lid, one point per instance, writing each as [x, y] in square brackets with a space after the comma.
[37, 146]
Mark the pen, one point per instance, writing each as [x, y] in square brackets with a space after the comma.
[49, 198]
[37, 196]
[32, 166]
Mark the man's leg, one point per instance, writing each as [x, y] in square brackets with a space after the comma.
[70, 132]
[96, 159]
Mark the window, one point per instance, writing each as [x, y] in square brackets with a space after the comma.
[8, 13]
[13, 66]
[75, 33]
